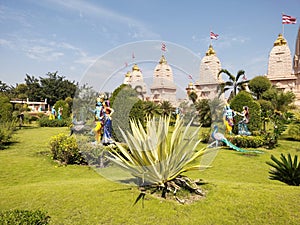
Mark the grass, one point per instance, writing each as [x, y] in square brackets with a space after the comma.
[238, 189]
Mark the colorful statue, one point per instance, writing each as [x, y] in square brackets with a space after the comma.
[107, 129]
[228, 118]
[52, 114]
[242, 126]
[59, 114]
[98, 119]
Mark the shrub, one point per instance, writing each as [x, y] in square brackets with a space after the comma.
[24, 217]
[6, 132]
[287, 170]
[65, 149]
[247, 141]
[45, 122]
[294, 131]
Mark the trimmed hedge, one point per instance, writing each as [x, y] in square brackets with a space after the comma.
[45, 122]
[247, 141]
[24, 217]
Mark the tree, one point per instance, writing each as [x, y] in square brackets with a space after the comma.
[55, 87]
[204, 113]
[20, 91]
[6, 109]
[4, 87]
[259, 85]
[166, 108]
[279, 99]
[152, 109]
[34, 90]
[233, 84]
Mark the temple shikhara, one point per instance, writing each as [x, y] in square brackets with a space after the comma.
[206, 86]
[283, 71]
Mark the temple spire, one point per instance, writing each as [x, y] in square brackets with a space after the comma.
[296, 61]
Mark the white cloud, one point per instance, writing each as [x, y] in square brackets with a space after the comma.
[86, 9]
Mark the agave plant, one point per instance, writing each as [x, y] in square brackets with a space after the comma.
[287, 170]
[158, 159]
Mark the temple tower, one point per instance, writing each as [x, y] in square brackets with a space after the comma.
[280, 66]
[136, 81]
[206, 86]
[163, 87]
[296, 68]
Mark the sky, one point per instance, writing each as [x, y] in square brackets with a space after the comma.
[73, 36]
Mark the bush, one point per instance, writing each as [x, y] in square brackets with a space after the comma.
[294, 131]
[45, 122]
[24, 217]
[65, 149]
[247, 141]
[6, 132]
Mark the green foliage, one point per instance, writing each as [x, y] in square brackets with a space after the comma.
[6, 109]
[243, 98]
[45, 122]
[279, 99]
[156, 158]
[65, 149]
[24, 217]
[204, 112]
[122, 101]
[6, 131]
[258, 85]
[247, 141]
[233, 83]
[53, 87]
[294, 131]
[286, 170]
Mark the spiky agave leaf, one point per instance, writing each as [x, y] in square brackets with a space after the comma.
[287, 170]
[153, 155]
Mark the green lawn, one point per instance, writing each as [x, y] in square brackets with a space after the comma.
[238, 189]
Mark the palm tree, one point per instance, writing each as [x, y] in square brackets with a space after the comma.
[166, 108]
[151, 109]
[233, 82]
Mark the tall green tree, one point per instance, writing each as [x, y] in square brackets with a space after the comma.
[152, 109]
[204, 112]
[279, 99]
[34, 90]
[258, 85]
[4, 87]
[166, 108]
[55, 87]
[235, 83]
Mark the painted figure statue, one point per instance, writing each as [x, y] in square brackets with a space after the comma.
[242, 126]
[52, 114]
[107, 128]
[59, 114]
[98, 119]
[228, 118]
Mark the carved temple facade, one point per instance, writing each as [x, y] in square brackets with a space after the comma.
[283, 72]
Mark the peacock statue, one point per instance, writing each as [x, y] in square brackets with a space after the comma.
[220, 137]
